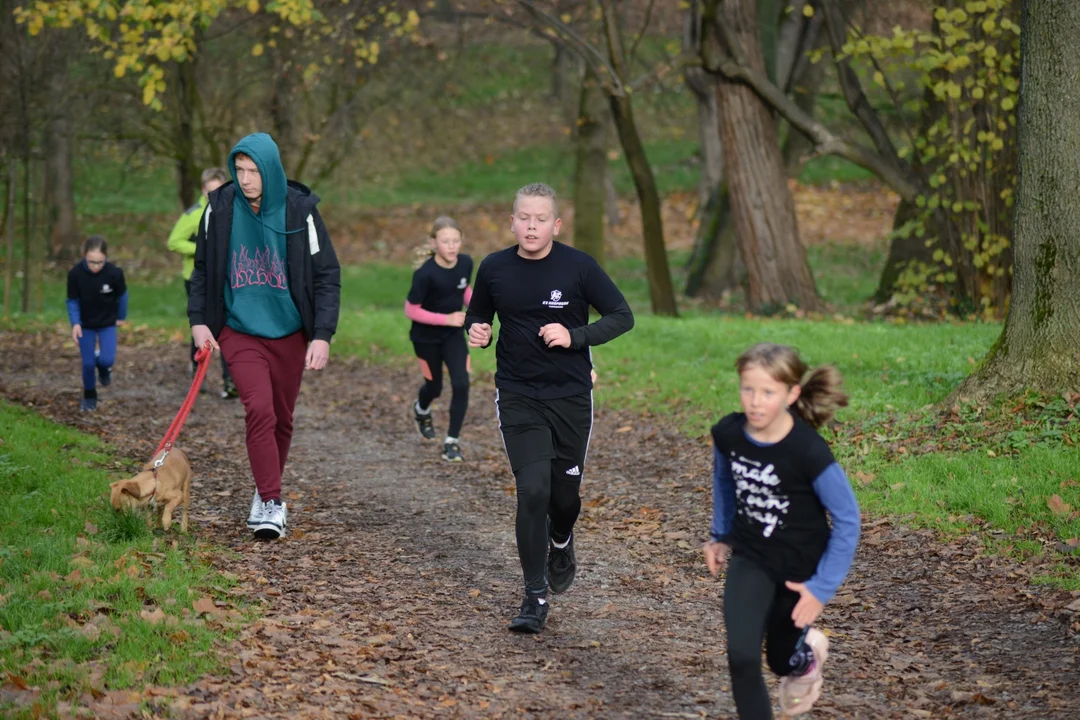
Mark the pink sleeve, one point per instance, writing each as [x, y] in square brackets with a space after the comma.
[468, 294]
[420, 315]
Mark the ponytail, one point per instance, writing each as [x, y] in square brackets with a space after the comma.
[821, 389]
[821, 396]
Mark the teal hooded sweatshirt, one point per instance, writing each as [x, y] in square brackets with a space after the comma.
[257, 300]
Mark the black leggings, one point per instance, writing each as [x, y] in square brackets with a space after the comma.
[757, 609]
[546, 442]
[455, 354]
[542, 494]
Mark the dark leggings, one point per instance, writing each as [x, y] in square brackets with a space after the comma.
[455, 354]
[542, 493]
[757, 609]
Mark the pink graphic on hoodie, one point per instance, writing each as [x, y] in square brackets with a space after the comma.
[266, 268]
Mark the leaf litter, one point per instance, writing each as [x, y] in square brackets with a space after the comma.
[390, 595]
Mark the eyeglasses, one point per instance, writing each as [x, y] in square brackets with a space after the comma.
[95, 263]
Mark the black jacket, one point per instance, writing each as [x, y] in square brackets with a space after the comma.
[314, 273]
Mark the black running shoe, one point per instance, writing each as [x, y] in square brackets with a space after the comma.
[424, 424]
[561, 567]
[228, 390]
[104, 375]
[452, 453]
[532, 617]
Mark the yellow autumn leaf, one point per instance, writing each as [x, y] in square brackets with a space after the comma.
[257, 49]
[808, 10]
[253, 6]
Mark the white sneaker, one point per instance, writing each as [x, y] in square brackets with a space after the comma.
[798, 694]
[256, 514]
[272, 524]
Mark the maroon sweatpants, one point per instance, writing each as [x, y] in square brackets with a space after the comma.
[268, 374]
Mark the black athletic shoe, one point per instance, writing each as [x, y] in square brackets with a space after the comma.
[561, 567]
[88, 404]
[228, 390]
[532, 617]
[452, 452]
[104, 375]
[424, 424]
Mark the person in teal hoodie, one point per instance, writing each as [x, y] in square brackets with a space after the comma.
[265, 291]
[182, 241]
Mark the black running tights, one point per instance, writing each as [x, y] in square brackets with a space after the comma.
[540, 494]
[453, 352]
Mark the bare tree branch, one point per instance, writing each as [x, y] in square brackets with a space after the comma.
[677, 63]
[644, 28]
[735, 66]
[852, 89]
[590, 54]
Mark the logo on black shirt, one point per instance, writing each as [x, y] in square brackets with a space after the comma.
[556, 300]
[463, 283]
[105, 288]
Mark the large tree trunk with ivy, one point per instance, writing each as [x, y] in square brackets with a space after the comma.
[762, 207]
[1037, 349]
[591, 168]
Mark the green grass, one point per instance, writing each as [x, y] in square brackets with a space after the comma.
[674, 162]
[75, 577]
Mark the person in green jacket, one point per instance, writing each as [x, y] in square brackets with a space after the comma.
[182, 240]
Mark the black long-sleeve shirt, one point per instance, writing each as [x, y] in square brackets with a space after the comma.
[529, 294]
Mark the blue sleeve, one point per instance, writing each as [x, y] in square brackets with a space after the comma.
[74, 315]
[723, 498]
[121, 313]
[834, 491]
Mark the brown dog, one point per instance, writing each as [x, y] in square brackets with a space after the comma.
[166, 487]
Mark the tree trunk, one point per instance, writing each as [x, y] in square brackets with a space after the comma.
[712, 270]
[9, 236]
[281, 115]
[702, 86]
[905, 248]
[187, 169]
[41, 237]
[804, 92]
[560, 69]
[761, 203]
[611, 201]
[711, 267]
[1037, 349]
[64, 240]
[769, 16]
[591, 168]
[661, 290]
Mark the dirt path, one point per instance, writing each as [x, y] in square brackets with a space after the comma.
[391, 595]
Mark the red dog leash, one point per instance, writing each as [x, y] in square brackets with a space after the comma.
[202, 357]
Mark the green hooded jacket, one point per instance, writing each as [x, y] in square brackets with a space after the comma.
[257, 299]
[182, 237]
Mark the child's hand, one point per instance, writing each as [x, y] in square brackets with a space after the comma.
[456, 319]
[121, 323]
[807, 609]
[479, 335]
[76, 332]
[716, 555]
[555, 335]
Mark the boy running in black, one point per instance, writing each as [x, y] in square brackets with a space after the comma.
[542, 290]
